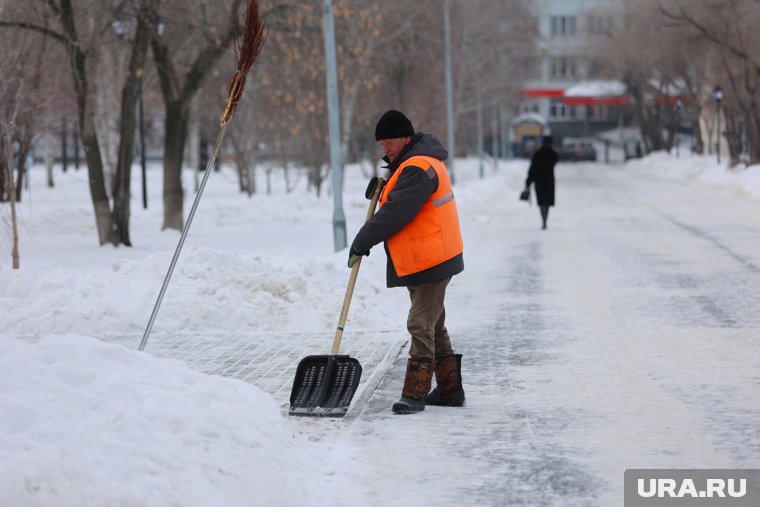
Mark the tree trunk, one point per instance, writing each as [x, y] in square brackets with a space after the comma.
[23, 153]
[177, 97]
[86, 109]
[130, 94]
[649, 123]
[7, 170]
[174, 148]
[101, 206]
[49, 160]
[316, 177]
[752, 124]
[3, 164]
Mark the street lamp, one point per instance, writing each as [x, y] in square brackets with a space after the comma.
[679, 106]
[718, 94]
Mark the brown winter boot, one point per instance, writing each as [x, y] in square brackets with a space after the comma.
[448, 377]
[419, 376]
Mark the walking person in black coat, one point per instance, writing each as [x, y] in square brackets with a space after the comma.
[541, 172]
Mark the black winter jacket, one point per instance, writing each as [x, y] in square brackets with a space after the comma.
[541, 172]
[412, 190]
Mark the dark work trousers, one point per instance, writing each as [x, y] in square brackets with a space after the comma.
[430, 339]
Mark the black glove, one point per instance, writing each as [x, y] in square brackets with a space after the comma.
[370, 188]
[354, 256]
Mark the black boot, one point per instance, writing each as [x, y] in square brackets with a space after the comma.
[448, 377]
[419, 376]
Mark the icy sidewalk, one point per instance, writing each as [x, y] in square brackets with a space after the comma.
[622, 337]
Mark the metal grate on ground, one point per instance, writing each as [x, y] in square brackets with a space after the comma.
[269, 360]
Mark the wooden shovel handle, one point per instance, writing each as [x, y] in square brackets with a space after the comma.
[355, 272]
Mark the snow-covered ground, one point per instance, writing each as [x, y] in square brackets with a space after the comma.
[86, 422]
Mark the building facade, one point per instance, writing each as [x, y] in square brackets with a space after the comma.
[570, 33]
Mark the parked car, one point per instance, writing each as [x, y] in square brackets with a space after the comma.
[575, 151]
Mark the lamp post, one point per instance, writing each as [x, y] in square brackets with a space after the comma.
[679, 106]
[718, 94]
[333, 117]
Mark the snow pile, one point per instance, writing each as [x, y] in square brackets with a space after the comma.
[211, 290]
[704, 169]
[89, 423]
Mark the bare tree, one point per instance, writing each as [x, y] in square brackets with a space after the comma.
[82, 28]
[730, 27]
[6, 176]
[655, 54]
[146, 21]
[79, 49]
[244, 141]
[650, 57]
[11, 87]
[185, 51]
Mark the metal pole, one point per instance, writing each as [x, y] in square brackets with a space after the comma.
[339, 218]
[717, 134]
[189, 221]
[449, 91]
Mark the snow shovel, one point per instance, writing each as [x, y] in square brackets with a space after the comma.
[325, 384]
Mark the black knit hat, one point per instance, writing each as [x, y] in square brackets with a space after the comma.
[393, 124]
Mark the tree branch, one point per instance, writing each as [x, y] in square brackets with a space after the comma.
[683, 16]
[35, 28]
[209, 55]
[54, 7]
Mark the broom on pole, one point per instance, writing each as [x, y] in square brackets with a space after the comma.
[253, 40]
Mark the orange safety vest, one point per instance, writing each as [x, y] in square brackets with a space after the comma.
[433, 236]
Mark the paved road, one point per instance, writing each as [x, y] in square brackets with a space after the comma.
[624, 336]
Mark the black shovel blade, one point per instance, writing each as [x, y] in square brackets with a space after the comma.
[324, 385]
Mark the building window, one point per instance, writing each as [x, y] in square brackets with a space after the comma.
[558, 110]
[598, 112]
[562, 67]
[562, 26]
[530, 106]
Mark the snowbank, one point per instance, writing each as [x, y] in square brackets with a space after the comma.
[703, 169]
[91, 423]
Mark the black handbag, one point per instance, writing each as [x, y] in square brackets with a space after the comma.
[525, 195]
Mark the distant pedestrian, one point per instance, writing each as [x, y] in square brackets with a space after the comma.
[541, 173]
[419, 224]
